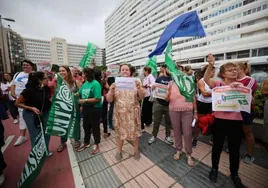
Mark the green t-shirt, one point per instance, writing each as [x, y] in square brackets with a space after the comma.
[91, 90]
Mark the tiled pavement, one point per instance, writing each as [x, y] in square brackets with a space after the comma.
[156, 168]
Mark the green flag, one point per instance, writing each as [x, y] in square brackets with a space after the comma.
[64, 114]
[90, 53]
[35, 161]
[152, 64]
[186, 84]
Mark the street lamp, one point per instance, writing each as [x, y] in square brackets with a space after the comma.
[2, 32]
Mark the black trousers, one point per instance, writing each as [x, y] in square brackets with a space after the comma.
[232, 129]
[2, 161]
[147, 108]
[13, 109]
[91, 123]
[104, 116]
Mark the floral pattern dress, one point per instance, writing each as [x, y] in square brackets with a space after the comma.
[127, 115]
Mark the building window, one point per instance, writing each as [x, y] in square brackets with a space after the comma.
[243, 54]
[263, 51]
[254, 53]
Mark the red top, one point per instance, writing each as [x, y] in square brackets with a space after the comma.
[252, 84]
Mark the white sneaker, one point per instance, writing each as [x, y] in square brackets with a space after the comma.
[2, 179]
[151, 140]
[16, 121]
[50, 154]
[169, 140]
[20, 140]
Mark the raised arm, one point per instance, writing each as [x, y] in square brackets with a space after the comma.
[201, 87]
[207, 78]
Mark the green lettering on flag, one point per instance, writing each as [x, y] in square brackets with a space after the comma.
[152, 64]
[90, 53]
[64, 114]
[186, 84]
[35, 161]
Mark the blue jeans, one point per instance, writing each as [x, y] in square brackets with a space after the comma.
[110, 116]
[28, 116]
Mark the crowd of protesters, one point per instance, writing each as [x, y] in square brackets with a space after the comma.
[28, 98]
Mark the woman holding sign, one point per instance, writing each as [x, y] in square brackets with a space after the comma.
[127, 122]
[227, 124]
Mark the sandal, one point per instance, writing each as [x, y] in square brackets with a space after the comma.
[190, 161]
[137, 155]
[95, 150]
[118, 156]
[106, 135]
[61, 147]
[177, 156]
[82, 147]
[77, 144]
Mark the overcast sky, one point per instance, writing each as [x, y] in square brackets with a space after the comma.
[78, 21]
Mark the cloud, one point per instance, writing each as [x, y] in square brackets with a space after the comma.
[77, 21]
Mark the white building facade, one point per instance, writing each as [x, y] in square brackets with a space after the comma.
[59, 52]
[37, 50]
[236, 30]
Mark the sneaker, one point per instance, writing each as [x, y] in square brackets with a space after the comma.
[248, 159]
[106, 135]
[152, 140]
[16, 121]
[194, 143]
[169, 140]
[237, 182]
[20, 140]
[50, 154]
[2, 179]
[213, 175]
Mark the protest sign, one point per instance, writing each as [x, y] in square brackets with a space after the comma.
[43, 66]
[113, 70]
[231, 99]
[160, 91]
[123, 83]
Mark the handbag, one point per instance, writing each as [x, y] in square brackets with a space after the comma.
[36, 117]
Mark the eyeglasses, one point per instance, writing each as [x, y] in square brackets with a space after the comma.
[231, 70]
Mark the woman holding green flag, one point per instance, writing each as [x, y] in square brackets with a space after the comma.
[66, 74]
[181, 116]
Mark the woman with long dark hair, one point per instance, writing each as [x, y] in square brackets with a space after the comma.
[35, 100]
[90, 94]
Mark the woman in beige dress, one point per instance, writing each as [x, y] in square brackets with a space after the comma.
[127, 122]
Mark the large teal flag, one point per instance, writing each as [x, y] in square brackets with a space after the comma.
[64, 114]
[34, 162]
[186, 84]
[90, 53]
[152, 64]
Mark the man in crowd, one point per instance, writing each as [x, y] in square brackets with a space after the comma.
[20, 79]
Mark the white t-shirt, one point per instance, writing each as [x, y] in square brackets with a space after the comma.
[4, 87]
[19, 81]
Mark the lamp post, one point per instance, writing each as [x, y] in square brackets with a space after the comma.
[2, 33]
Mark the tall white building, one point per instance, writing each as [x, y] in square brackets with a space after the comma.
[37, 50]
[236, 30]
[59, 52]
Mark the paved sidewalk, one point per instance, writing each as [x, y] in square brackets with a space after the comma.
[156, 168]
